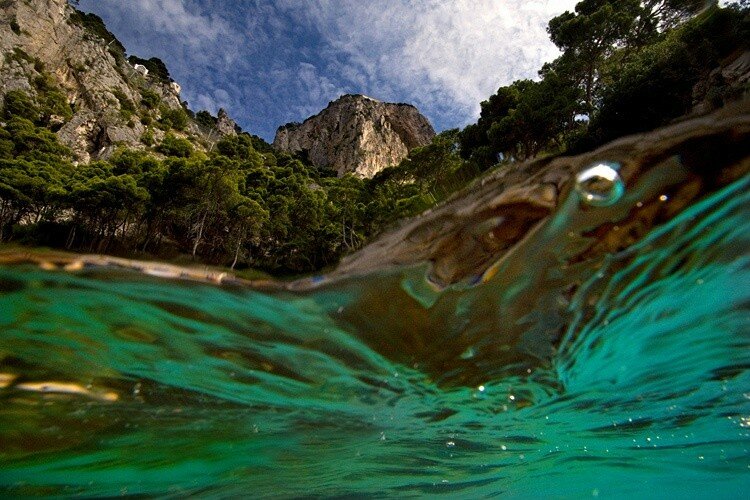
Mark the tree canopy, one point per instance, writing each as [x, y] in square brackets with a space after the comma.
[626, 66]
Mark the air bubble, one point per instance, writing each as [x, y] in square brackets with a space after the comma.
[600, 185]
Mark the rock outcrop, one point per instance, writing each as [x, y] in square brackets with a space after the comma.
[357, 134]
[727, 82]
[224, 124]
[49, 43]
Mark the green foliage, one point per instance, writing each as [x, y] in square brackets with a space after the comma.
[590, 35]
[240, 147]
[205, 119]
[19, 104]
[125, 103]
[33, 142]
[156, 68]
[175, 146]
[658, 84]
[20, 56]
[150, 99]
[147, 137]
[30, 189]
[50, 100]
[626, 66]
[427, 176]
[668, 14]
[55, 102]
[14, 27]
[259, 144]
[173, 118]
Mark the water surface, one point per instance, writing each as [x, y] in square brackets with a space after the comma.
[634, 381]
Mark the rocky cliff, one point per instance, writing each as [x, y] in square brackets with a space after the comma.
[95, 98]
[357, 134]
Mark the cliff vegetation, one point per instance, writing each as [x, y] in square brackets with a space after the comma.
[626, 67]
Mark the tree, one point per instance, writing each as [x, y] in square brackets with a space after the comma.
[33, 142]
[175, 146]
[664, 15]
[240, 147]
[474, 139]
[247, 218]
[173, 118]
[344, 208]
[211, 190]
[658, 83]
[105, 203]
[30, 189]
[591, 34]
[205, 119]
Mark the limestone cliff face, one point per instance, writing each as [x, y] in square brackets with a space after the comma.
[49, 38]
[357, 134]
[224, 124]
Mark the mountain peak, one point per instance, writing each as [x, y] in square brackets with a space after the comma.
[358, 134]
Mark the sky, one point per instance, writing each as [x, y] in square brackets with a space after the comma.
[270, 62]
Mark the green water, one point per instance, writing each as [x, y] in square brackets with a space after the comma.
[166, 387]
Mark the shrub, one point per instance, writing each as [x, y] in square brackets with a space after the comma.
[150, 99]
[174, 118]
[148, 137]
[174, 146]
[18, 103]
[125, 103]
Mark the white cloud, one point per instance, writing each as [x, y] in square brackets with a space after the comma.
[173, 17]
[448, 55]
[272, 62]
[204, 34]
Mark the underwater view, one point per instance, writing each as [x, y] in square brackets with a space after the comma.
[569, 367]
[340, 249]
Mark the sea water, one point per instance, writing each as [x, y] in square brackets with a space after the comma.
[113, 382]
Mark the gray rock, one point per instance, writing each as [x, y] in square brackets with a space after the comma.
[224, 124]
[98, 84]
[357, 134]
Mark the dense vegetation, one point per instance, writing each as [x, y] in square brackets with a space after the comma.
[626, 66]
[155, 66]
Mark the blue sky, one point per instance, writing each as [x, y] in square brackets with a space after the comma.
[271, 62]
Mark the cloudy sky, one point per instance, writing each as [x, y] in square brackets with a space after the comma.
[269, 62]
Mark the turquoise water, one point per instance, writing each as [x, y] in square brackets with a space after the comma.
[115, 382]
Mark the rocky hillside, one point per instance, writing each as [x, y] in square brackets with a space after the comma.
[357, 134]
[74, 74]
